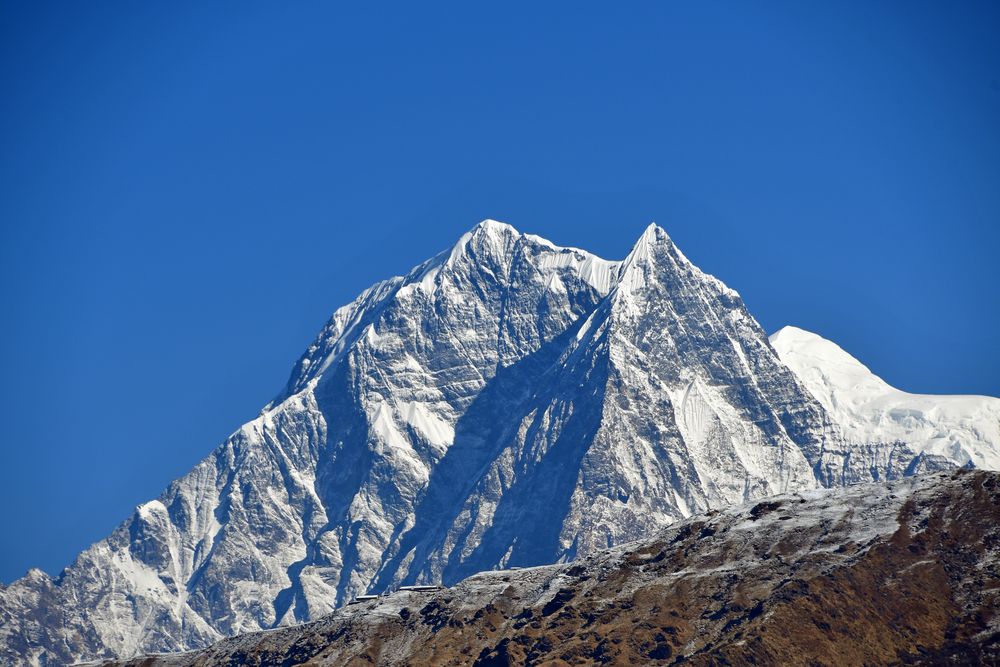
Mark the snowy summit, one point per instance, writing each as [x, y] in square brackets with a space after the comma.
[963, 429]
[508, 402]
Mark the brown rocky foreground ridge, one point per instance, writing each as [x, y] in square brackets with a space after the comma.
[899, 573]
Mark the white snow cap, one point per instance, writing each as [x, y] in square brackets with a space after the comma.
[488, 232]
[868, 409]
[642, 251]
[636, 268]
[491, 226]
[652, 236]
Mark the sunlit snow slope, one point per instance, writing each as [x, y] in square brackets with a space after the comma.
[959, 428]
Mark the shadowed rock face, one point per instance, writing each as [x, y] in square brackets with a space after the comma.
[507, 403]
[905, 573]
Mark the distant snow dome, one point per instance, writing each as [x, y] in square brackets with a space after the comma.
[963, 429]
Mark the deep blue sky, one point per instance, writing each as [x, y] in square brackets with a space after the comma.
[188, 190]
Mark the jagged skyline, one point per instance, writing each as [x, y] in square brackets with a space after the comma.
[507, 402]
[188, 194]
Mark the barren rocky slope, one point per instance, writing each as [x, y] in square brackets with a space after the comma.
[906, 572]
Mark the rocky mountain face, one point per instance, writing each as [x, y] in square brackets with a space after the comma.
[507, 403]
[898, 573]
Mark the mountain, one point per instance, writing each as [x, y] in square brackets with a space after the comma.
[905, 572]
[506, 403]
[963, 429]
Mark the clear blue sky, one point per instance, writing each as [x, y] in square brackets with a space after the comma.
[187, 190]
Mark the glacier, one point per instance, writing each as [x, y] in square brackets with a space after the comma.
[507, 403]
[963, 429]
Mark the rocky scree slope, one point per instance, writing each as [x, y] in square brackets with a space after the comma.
[904, 573]
[508, 402]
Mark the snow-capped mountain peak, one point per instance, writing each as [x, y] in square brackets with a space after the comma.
[651, 236]
[507, 402]
[654, 258]
[824, 364]
[489, 237]
[963, 429]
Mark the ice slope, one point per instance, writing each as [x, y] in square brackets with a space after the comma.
[507, 402]
[963, 429]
